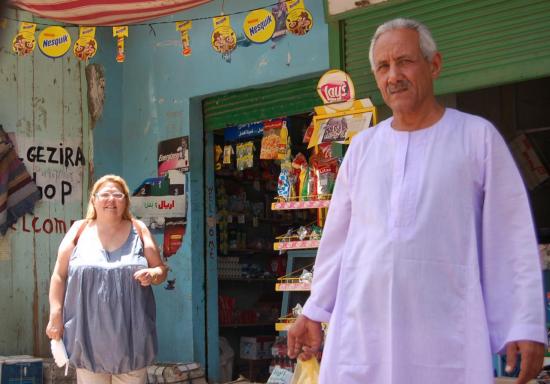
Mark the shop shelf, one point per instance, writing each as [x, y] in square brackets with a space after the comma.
[291, 245]
[310, 204]
[292, 285]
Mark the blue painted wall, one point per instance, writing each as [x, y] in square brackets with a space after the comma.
[155, 95]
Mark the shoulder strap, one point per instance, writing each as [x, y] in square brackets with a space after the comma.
[85, 223]
[79, 232]
[138, 229]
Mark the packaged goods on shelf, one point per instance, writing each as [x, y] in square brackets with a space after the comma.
[256, 347]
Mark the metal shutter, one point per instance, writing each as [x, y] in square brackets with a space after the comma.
[483, 42]
[260, 104]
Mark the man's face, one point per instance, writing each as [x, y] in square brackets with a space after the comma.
[403, 75]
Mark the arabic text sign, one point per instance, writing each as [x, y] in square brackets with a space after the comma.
[158, 206]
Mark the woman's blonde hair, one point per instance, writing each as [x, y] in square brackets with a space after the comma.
[91, 213]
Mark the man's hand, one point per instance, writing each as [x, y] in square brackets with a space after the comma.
[304, 338]
[532, 359]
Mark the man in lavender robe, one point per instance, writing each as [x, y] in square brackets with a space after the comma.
[428, 262]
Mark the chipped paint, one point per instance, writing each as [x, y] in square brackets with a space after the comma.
[41, 101]
[263, 62]
[5, 246]
[95, 78]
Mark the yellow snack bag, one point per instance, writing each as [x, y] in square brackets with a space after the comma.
[306, 372]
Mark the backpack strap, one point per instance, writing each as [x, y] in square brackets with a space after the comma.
[79, 232]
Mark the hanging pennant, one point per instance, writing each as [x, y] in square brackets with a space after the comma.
[54, 41]
[120, 33]
[24, 42]
[184, 27]
[86, 45]
[223, 39]
[259, 25]
[299, 21]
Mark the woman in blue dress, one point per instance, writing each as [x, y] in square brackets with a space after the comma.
[101, 301]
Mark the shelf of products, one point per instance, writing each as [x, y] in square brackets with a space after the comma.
[266, 189]
[245, 186]
[289, 205]
[292, 284]
[290, 245]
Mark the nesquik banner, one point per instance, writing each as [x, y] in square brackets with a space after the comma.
[223, 38]
[120, 33]
[86, 45]
[184, 27]
[299, 20]
[24, 42]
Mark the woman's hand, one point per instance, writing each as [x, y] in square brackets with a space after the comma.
[146, 276]
[54, 330]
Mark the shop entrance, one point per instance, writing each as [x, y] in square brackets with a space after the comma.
[521, 113]
[242, 265]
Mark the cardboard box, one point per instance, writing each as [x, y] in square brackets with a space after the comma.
[256, 347]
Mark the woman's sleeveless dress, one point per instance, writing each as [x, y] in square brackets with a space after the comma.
[109, 317]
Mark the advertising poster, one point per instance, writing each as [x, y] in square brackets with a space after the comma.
[173, 154]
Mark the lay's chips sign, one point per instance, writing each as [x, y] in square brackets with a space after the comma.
[259, 26]
[54, 41]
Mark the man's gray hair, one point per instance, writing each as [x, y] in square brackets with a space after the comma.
[427, 42]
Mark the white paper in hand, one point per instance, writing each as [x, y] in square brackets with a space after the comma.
[60, 354]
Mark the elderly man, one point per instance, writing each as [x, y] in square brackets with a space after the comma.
[428, 261]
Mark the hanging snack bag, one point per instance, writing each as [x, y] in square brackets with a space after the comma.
[306, 190]
[283, 148]
[285, 182]
[248, 154]
[309, 132]
[303, 233]
[284, 186]
[325, 150]
[326, 171]
[270, 140]
[298, 163]
[240, 152]
[315, 232]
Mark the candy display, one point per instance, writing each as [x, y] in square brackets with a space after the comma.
[249, 228]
